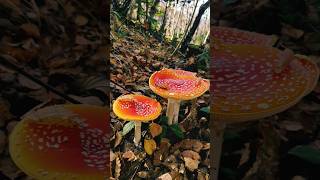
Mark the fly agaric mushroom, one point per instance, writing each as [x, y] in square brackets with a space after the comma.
[235, 36]
[63, 142]
[177, 85]
[137, 108]
[247, 84]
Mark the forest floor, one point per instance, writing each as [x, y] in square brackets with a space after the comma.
[287, 145]
[57, 42]
[182, 151]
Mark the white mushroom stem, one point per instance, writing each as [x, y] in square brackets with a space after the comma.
[284, 59]
[217, 141]
[137, 132]
[173, 108]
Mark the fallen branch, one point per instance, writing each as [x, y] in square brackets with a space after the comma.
[9, 62]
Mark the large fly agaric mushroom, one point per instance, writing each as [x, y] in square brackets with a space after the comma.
[253, 82]
[229, 35]
[177, 85]
[63, 142]
[137, 108]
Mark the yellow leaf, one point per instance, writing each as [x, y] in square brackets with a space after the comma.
[150, 146]
[155, 129]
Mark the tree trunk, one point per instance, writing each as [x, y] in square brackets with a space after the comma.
[146, 25]
[164, 21]
[153, 11]
[121, 8]
[187, 28]
[194, 27]
[139, 10]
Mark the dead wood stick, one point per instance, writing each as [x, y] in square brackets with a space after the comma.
[9, 62]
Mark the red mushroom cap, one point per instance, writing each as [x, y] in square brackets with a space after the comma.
[235, 36]
[178, 84]
[136, 107]
[246, 87]
[63, 142]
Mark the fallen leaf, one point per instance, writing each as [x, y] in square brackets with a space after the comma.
[150, 146]
[165, 176]
[155, 129]
[291, 125]
[81, 20]
[118, 139]
[30, 29]
[191, 164]
[245, 154]
[191, 154]
[129, 155]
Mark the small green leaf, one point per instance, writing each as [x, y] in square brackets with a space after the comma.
[176, 130]
[163, 120]
[229, 173]
[205, 110]
[306, 153]
[127, 128]
[231, 136]
[164, 132]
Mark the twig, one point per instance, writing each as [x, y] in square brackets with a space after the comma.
[8, 61]
[111, 81]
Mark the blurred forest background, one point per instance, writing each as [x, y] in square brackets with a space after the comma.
[61, 43]
[287, 145]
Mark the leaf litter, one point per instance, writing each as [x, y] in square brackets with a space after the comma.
[58, 42]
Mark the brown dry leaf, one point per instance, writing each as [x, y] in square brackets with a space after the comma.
[93, 100]
[117, 171]
[30, 29]
[143, 174]
[8, 168]
[291, 125]
[155, 129]
[191, 164]
[245, 154]
[150, 146]
[163, 151]
[165, 176]
[81, 20]
[118, 139]
[191, 154]
[20, 54]
[3, 141]
[112, 156]
[82, 40]
[129, 155]
[298, 178]
[191, 144]
[291, 31]
[27, 83]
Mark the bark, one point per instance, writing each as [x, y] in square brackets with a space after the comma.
[139, 10]
[153, 11]
[194, 27]
[164, 21]
[187, 28]
[121, 8]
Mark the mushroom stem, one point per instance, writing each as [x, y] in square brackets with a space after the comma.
[218, 132]
[285, 59]
[137, 132]
[173, 110]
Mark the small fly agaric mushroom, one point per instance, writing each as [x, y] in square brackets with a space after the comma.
[177, 85]
[229, 35]
[253, 82]
[137, 108]
[63, 142]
